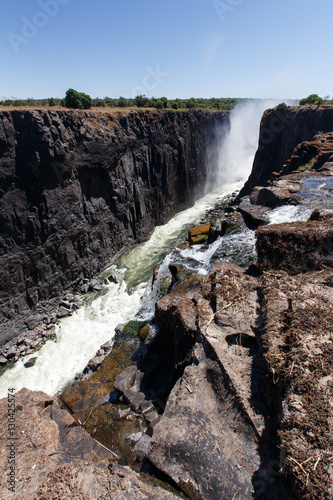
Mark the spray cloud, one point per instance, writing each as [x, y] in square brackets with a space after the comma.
[232, 158]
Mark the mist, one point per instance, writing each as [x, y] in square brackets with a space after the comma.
[231, 159]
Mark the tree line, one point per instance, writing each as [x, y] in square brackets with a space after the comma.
[80, 100]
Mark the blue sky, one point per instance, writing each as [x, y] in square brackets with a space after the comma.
[183, 48]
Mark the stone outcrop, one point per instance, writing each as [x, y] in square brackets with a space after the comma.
[298, 314]
[77, 188]
[280, 132]
[296, 247]
[56, 458]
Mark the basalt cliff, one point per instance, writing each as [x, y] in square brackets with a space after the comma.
[77, 187]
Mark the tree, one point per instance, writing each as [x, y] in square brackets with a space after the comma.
[99, 103]
[122, 102]
[52, 102]
[77, 100]
[159, 104]
[191, 103]
[311, 99]
[141, 101]
[164, 101]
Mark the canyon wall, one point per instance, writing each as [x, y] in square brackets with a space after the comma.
[281, 130]
[78, 187]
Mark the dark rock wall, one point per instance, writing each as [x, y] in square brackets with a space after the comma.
[280, 132]
[78, 187]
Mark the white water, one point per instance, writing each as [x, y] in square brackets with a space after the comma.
[238, 147]
[79, 336]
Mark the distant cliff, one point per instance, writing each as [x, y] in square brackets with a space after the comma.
[78, 187]
[280, 132]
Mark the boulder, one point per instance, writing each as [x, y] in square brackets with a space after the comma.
[127, 379]
[95, 363]
[11, 353]
[33, 321]
[30, 363]
[273, 197]
[141, 447]
[296, 247]
[321, 214]
[236, 223]
[198, 234]
[217, 229]
[63, 312]
[254, 215]
[95, 285]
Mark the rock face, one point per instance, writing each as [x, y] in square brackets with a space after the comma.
[296, 247]
[280, 132]
[56, 458]
[78, 187]
[298, 313]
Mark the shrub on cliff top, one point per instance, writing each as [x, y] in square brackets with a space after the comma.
[312, 99]
[77, 100]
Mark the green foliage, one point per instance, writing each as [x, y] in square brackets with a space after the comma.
[122, 102]
[99, 103]
[311, 99]
[141, 101]
[77, 100]
[281, 106]
[112, 103]
[159, 104]
[191, 103]
[164, 102]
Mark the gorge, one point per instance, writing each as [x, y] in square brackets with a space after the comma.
[216, 351]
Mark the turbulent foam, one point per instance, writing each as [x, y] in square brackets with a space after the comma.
[289, 213]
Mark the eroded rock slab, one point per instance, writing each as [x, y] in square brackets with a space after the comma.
[202, 441]
[296, 247]
[299, 343]
[56, 458]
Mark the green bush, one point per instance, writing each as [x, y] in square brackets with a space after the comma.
[281, 106]
[159, 104]
[191, 103]
[51, 102]
[141, 101]
[77, 100]
[311, 99]
[164, 101]
[99, 103]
